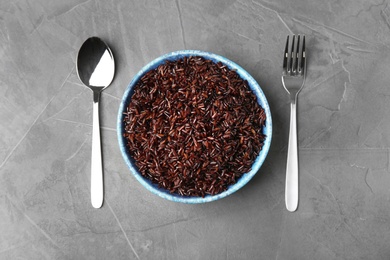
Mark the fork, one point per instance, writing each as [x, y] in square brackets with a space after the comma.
[293, 78]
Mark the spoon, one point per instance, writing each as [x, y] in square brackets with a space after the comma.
[95, 68]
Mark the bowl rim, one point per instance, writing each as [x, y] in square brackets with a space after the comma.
[261, 99]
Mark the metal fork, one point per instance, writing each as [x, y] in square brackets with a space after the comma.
[293, 78]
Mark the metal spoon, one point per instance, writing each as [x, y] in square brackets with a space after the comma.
[95, 68]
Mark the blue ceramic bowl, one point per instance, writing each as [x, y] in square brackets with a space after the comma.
[267, 130]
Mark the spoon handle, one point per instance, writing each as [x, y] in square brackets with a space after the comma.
[96, 161]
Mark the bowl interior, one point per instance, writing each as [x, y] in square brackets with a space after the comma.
[261, 99]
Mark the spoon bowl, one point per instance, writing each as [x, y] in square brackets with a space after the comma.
[95, 64]
[96, 69]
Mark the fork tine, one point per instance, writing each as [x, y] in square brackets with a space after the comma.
[302, 63]
[294, 52]
[291, 56]
[299, 54]
[296, 55]
[285, 58]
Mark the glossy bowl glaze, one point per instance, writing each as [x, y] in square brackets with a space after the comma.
[245, 178]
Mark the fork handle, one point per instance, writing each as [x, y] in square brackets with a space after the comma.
[292, 163]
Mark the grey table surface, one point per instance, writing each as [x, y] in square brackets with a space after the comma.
[343, 117]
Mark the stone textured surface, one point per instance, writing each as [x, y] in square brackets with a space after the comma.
[344, 132]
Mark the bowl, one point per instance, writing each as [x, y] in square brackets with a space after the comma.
[245, 178]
